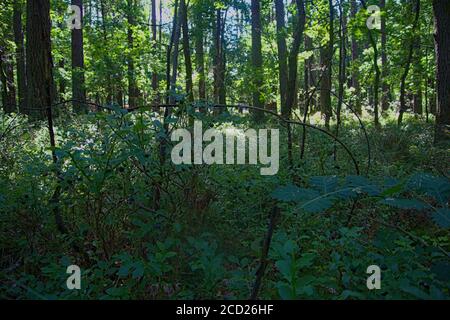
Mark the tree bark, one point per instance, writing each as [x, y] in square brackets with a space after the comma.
[299, 27]
[257, 62]
[355, 63]
[78, 86]
[199, 54]
[282, 52]
[154, 39]
[187, 51]
[39, 61]
[7, 79]
[219, 63]
[408, 63]
[384, 64]
[133, 92]
[326, 57]
[20, 55]
[441, 9]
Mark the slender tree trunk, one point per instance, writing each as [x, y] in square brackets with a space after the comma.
[20, 55]
[111, 89]
[326, 57]
[342, 70]
[257, 61]
[441, 9]
[170, 49]
[355, 63]
[299, 27]
[133, 92]
[7, 79]
[282, 53]
[199, 55]
[418, 71]
[187, 51]
[175, 53]
[154, 39]
[384, 64]
[78, 86]
[376, 84]
[39, 58]
[408, 63]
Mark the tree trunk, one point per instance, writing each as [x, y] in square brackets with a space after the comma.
[384, 64]
[20, 55]
[7, 79]
[154, 39]
[257, 61]
[299, 27]
[175, 53]
[219, 61]
[282, 52]
[175, 23]
[199, 55]
[355, 64]
[187, 51]
[408, 63]
[441, 9]
[40, 84]
[417, 80]
[78, 87]
[326, 57]
[133, 92]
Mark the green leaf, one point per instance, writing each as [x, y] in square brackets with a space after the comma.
[362, 184]
[285, 291]
[416, 292]
[324, 184]
[138, 271]
[284, 266]
[442, 217]
[405, 203]
[318, 204]
[124, 271]
[292, 193]
[442, 270]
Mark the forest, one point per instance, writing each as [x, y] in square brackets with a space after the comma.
[119, 176]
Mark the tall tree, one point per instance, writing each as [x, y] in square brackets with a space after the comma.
[384, 63]
[282, 52]
[39, 61]
[219, 59]
[133, 92]
[355, 62]
[288, 61]
[417, 75]
[186, 50]
[78, 79]
[7, 79]
[20, 54]
[299, 27]
[199, 52]
[257, 61]
[374, 97]
[412, 43]
[326, 60]
[441, 9]
[154, 39]
[176, 45]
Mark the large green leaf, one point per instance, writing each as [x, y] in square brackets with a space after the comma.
[292, 193]
[325, 184]
[405, 203]
[442, 217]
[362, 185]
